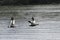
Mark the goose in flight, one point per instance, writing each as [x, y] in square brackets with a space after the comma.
[33, 22]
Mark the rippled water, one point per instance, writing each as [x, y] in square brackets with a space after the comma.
[48, 17]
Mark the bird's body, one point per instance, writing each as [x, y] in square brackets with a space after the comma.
[13, 22]
[32, 23]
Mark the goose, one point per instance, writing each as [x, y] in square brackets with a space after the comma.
[33, 23]
[12, 22]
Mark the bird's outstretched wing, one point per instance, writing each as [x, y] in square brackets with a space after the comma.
[29, 21]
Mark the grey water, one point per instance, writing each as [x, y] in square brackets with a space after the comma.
[47, 16]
